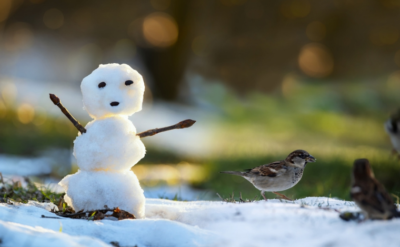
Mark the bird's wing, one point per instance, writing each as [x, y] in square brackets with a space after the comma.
[383, 196]
[365, 194]
[274, 169]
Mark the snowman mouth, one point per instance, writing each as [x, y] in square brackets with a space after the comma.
[114, 103]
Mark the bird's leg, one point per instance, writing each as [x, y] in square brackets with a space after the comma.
[282, 196]
[262, 193]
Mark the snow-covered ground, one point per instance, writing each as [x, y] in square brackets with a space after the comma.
[306, 222]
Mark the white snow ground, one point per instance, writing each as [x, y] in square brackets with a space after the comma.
[202, 223]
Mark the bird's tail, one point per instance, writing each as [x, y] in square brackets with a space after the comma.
[397, 214]
[242, 174]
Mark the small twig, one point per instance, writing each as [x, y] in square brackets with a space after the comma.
[50, 217]
[220, 197]
[75, 122]
[1, 178]
[181, 125]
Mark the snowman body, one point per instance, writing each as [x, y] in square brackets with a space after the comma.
[110, 147]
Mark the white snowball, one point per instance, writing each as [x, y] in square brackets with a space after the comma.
[109, 144]
[92, 190]
[97, 100]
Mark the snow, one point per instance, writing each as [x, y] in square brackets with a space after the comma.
[109, 144]
[309, 222]
[88, 190]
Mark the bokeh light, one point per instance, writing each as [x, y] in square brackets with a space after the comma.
[160, 30]
[53, 18]
[25, 113]
[315, 60]
[5, 7]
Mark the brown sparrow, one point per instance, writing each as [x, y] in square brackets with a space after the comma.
[392, 127]
[278, 175]
[369, 194]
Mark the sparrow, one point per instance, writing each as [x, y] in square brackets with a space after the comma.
[369, 194]
[392, 127]
[278, 175]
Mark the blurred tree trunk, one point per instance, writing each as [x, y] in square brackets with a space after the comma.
[168, 65]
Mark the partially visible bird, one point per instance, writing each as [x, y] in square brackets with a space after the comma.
[278, 175]
[392, 127]
[369, 194]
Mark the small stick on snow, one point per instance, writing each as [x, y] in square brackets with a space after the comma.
[181, 125]
[75, 122]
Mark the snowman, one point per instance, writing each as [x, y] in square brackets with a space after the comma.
[110, 147]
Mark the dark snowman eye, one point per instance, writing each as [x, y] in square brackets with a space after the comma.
[129, 82]
[102, 84]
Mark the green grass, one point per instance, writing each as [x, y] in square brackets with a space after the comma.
[14, 191]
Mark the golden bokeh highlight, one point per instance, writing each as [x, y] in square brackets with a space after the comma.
[169, 173]
[25, 113]
[160, 30]
[315, 60]
[296, 8]
[53, 18]
[5, 8]
[18, 36]
[387, 35]
[8, 93]
[316, 31]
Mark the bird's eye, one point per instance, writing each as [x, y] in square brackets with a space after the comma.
[102, 84]
[129, 82]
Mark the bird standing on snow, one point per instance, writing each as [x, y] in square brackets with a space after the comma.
[369, 194]
[278, 175]
[392, 127]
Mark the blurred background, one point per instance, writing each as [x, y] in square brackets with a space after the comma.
[262, 78]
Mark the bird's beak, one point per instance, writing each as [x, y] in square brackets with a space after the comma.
[310, 158]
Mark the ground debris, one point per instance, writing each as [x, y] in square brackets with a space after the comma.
[68, 212]
[116, 244]
[350, 216]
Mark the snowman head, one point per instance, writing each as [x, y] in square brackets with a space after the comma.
[112, 89]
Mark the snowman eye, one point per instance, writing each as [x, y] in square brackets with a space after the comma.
[102, 84]
[129, 82]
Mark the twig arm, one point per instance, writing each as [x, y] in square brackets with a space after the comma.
[75, 122]
[181, 125]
